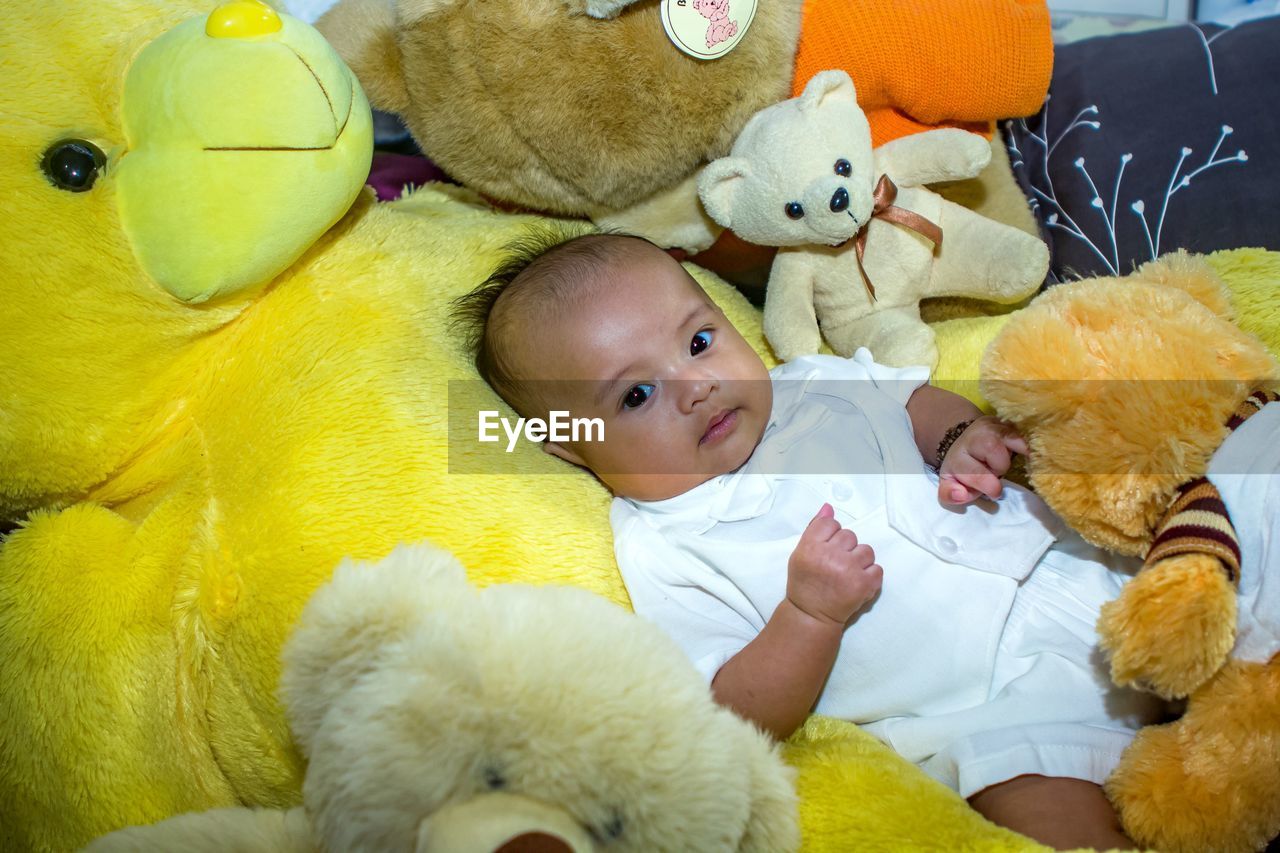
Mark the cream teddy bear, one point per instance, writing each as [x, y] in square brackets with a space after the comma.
[439, 717]
[863, 240]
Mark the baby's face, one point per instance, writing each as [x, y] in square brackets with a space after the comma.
[682, 395]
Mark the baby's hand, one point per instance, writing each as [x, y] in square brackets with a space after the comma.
[977, 460]
[830, 575]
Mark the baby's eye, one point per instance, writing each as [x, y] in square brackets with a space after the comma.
[700, 342]
[636, 396]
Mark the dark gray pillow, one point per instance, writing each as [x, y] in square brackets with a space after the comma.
[1155, 141]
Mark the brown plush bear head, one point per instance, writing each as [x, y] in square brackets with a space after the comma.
[1123, 388]
[536, 104]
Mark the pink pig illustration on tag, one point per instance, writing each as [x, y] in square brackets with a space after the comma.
[719, 28]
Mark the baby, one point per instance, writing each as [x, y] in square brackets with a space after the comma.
[788, 529]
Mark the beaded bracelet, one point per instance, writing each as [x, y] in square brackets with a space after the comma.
[949, 438]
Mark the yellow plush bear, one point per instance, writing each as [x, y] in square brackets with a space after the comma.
[209, 399]
[220, 377]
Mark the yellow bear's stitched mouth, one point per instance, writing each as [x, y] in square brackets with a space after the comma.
[207, 227]
[339, 126]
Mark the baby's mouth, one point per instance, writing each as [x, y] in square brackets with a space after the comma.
[720, 425]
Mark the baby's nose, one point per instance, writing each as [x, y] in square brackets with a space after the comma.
[696, 389]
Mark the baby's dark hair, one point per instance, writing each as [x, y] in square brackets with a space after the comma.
[541, 270]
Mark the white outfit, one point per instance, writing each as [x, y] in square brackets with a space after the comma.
[1246, 472]
[968, 662]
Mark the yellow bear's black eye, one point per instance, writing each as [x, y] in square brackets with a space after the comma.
[73, 164]
[794, 210]
[844, 168]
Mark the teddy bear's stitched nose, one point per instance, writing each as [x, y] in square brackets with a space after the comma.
[535, 842]
[242, 19]
[840, 200]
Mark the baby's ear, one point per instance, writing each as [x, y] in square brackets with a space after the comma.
[559, 451]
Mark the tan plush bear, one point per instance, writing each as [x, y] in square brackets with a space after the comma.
[803, 175]
[1151, 432]
[545, 106]
[444, 719]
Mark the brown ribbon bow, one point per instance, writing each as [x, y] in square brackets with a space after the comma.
[886, 193]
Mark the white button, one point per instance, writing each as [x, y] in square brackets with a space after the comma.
[948, 546]
[842, 492]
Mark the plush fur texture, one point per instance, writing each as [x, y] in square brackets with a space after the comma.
[1208, 781]
[183, 477]
[1123, 389]
[606, 113]
[1170, 321]
[238, 829]
[791, 154]
[440, 718]
[544, 106]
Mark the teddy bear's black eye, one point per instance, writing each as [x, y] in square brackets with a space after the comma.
[843, 168]
[794, 210]
[73, 164]
[609, 831]
[494, 778]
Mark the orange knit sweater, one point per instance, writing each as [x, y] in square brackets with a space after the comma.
[920, 64]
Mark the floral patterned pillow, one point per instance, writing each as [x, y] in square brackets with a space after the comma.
[1155, 141]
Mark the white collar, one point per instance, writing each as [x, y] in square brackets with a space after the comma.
[735, 496]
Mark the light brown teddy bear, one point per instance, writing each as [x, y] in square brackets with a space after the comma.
[1153, 431]
[542, 106]
[586, 108]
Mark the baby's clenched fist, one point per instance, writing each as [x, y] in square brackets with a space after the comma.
[977, 460]
[831, 575]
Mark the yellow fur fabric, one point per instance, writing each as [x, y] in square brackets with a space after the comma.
[183, 477]
[180, 477]
[140, 633]
[964, 328]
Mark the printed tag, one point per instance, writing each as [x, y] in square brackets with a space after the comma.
[707, 29]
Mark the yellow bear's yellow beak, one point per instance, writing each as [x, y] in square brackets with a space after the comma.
[246, 139]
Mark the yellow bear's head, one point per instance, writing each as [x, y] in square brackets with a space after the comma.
[157, 176]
